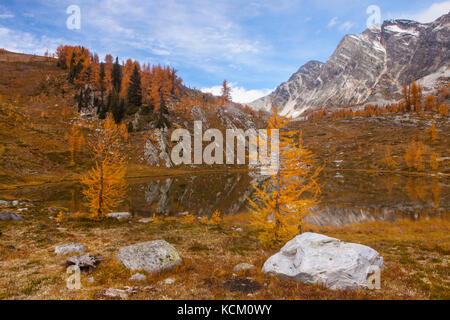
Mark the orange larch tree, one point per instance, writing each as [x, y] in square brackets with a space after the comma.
[105, 183]
[291, 192]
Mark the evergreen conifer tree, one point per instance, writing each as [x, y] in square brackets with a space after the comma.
[134, 94]
[116, 75]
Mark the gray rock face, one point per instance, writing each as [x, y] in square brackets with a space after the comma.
[69, 248]
[313, 258]
[119, 215]
[158, 153]
[10, 216]
[152, 256]
[369, 67]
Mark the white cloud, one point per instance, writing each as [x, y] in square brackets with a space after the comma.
[194, 33]
[17, 41]
[332, 22]
[6, 16]
[161, 52]
[239, 94]
[430, 14]
[346, 26]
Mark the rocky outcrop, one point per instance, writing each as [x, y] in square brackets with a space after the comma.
[156, 152]
[152, 256]
[313, 258]
[370, 67]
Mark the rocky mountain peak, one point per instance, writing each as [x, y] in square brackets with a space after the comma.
[370, 67]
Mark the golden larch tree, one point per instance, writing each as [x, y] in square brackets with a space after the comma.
[388, 160]
[414, 155]
[281, 205]
[105, 183]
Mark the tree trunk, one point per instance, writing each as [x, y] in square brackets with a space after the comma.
[100, 193]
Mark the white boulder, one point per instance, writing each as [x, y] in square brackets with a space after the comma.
[314, 258]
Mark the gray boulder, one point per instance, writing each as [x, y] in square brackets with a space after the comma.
[314, 258]
[152, 256]
[7, 216]
[68, 248]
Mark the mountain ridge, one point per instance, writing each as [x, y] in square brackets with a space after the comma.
[370, 67]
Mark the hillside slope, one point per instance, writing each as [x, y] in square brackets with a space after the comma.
[38, 108]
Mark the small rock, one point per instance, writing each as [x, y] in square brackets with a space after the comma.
[56, 210]
[152, 256]
[85, 262]
[169, 281]
[68, 248]
[131, 290]
[15, 203]
[90, 279]
[6, 216]
[145, 220]
[241, 267]
[138, 277]
[115, 293]
[4, 203]
[119, 215]
[150, 288]
[22, 209]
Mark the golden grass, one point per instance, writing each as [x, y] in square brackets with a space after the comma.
[415, 252]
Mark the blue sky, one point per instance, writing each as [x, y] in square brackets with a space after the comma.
[255, 45]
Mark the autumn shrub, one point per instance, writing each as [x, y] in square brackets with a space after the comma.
[216, 218]
[188, 218]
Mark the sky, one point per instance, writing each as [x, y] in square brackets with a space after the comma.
[254, 45]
